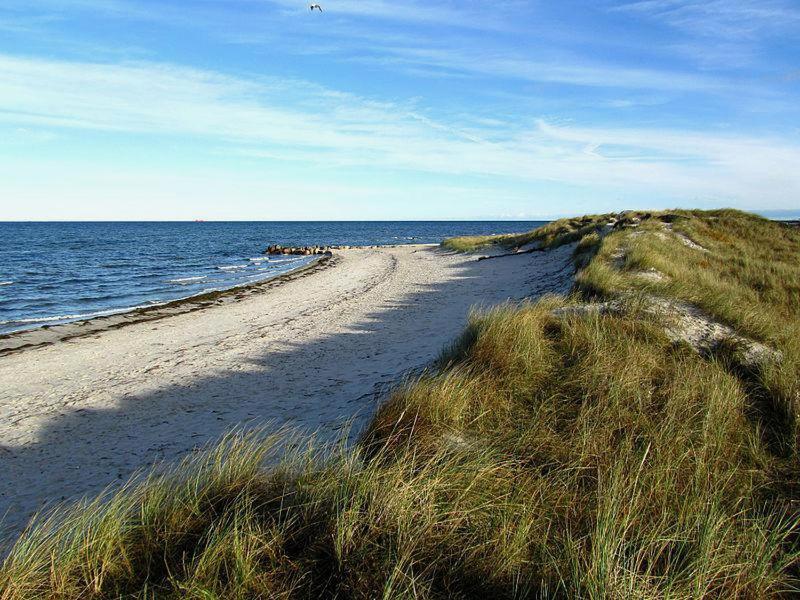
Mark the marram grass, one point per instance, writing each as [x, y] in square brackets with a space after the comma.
[549, 454]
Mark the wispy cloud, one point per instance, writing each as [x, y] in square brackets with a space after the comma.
[463, 13]
[456, 14]
[359, 31]
[792, 75]
[536, 100]
[719, 18]
[569, 70]
[295, 121]
[16, 23]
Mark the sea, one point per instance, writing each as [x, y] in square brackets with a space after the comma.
[53, 273]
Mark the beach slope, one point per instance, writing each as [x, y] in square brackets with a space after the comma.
[311, 353]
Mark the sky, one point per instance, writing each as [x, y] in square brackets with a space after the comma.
[396, 109]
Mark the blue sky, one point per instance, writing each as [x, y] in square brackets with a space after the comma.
[378, 109]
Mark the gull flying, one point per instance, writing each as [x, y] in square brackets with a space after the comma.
[315, 7]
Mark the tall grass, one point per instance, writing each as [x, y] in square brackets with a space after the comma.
[552, 235]
[748, 278]
[549, 454]
[641, 463]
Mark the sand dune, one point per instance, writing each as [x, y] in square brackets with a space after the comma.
[311, 353]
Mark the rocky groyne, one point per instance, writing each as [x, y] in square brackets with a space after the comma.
[299, 250]
[277, 249]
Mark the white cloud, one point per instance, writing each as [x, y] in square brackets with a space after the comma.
[564, 70]
[463, 13]
[309, 125]
[720, 18]
[457, 14]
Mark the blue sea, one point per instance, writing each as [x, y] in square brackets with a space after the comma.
[54, 273]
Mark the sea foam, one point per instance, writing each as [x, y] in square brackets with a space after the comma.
[187, 280]
[75, 317]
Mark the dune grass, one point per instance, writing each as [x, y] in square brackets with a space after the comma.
[552, 235]
[741, 269]
[550, 453]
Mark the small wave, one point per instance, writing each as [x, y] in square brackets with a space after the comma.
[187, 280]
[258, 259]
[232, 267]
[101, 313]
[40, 320]
[271, 267]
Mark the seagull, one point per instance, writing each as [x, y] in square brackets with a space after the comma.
[315, 6]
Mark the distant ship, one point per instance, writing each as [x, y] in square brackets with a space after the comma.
[199, 220]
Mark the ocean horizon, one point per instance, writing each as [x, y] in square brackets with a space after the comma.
[54, 272]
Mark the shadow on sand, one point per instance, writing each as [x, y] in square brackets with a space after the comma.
[82, 451]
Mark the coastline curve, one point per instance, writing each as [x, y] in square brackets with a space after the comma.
[19, 341]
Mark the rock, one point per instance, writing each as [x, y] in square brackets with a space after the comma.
[298, 250]
[690, 243]
[651, 275]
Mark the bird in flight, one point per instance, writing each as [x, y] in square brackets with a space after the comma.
[315, 7]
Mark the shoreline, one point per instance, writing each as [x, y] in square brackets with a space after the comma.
[47, 335]
[314, 355]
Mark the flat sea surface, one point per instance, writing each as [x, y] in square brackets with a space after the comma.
[54, 273]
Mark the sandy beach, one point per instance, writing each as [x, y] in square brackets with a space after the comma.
[312, 352]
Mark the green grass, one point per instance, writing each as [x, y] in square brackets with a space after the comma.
[552, 235]
[749, 278]
[549, 454]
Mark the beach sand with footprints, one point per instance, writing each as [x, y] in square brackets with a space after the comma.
[84, 406]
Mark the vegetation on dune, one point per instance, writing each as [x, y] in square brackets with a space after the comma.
[552, 235]
[740, 269]
[553, 452]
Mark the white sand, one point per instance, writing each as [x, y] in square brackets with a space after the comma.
[313, 352]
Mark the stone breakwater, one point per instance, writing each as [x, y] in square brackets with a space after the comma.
[276, 249]
[302, 250]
